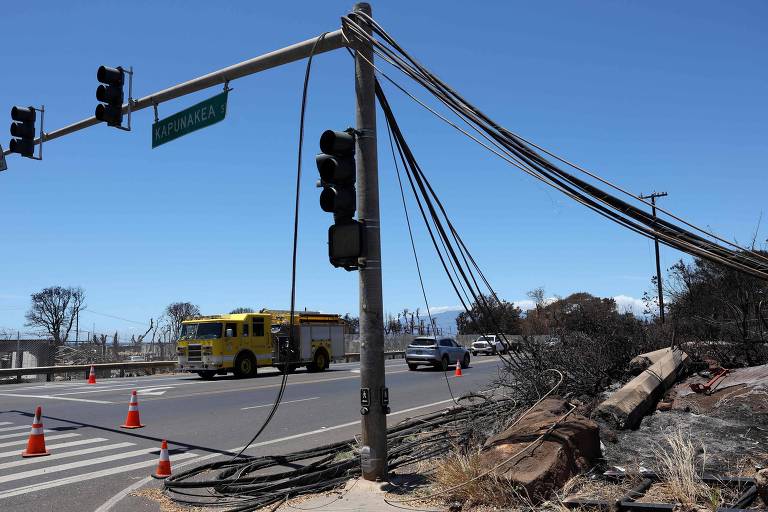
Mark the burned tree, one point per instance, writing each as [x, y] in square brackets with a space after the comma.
[54, 311]
[177, 313]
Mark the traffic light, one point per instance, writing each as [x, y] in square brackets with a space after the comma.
[110, 93]
[337, 169]
[23, 128]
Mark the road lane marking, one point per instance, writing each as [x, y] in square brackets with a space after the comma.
[55, 397]
[281, 403]
[79, 464]
[64, 455]
[268, 386]
[154, 391]
[15, 453]
[114, 500]
[87, 476]
[5, 423]
[49, 438]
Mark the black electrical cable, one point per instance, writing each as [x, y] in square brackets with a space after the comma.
[257, 482]
[414, 174]
[636, 220]
[416, 257]
[284, 381]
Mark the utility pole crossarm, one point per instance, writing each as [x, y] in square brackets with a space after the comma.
[332, 41]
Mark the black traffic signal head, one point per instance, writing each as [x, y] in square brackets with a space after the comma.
[24, 129]
[110, 94]
[345, 243]
[337, 169]
[337, 143]
[111, 76]
[341, 201]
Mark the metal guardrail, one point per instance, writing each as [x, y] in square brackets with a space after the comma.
[137, 365]
[86, 368]
[355, 356]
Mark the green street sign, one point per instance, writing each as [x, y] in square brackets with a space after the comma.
[198, 116]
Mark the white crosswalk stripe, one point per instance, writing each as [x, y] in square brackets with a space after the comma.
[21, 434]
[47, 438]
[17, 427]
[65, 455]
[87, 476]
[91, 455]
[15, 453]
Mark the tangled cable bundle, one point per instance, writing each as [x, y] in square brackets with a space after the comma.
[250, 483]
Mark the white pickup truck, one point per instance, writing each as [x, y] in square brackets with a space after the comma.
[490, 344]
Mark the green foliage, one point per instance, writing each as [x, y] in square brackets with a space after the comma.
[489, 315]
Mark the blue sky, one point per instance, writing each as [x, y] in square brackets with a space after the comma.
[652, 95]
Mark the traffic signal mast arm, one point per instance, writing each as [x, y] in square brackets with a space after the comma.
[331, 41]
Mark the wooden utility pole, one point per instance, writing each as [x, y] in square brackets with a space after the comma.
[653, 197]
[373, 454]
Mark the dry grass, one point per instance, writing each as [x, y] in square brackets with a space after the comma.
[681, 467]
[588, 488]
[491, 490]
[166, 504]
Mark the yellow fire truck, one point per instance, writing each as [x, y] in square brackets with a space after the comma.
[241, 343]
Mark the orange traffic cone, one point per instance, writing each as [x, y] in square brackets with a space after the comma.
[132, 419]
[163, 463]
[458, 369]
[36, 443]
[92, 376]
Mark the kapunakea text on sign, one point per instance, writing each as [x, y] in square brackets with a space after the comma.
[205, 113]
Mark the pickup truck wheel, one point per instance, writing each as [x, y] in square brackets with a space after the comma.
[444, 363]
[465, 361]
[245, 366]
[412, 366]
[474, 353]
[207, 375]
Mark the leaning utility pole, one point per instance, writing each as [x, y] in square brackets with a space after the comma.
[653, 197]
[374, 420]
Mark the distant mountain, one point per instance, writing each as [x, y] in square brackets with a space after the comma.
[446, 320]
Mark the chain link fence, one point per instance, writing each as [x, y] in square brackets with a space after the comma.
[31, 353]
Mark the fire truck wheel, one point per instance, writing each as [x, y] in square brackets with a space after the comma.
[320, 362]
[206, 375]
[245, 366]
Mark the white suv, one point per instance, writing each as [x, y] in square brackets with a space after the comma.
[487, 345]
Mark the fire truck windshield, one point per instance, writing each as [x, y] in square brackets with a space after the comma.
[201, 331]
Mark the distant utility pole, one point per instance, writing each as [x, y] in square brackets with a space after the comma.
[374, 396]
[653, 197]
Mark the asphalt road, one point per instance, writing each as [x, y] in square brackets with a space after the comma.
[93, 459]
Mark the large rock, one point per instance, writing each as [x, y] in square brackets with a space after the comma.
[571, 448]
[626, 407]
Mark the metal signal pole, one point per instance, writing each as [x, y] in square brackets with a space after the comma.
[373, 391]
[653, 197]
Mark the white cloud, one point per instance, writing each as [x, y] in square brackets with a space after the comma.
[525, 304]
[627, 304]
